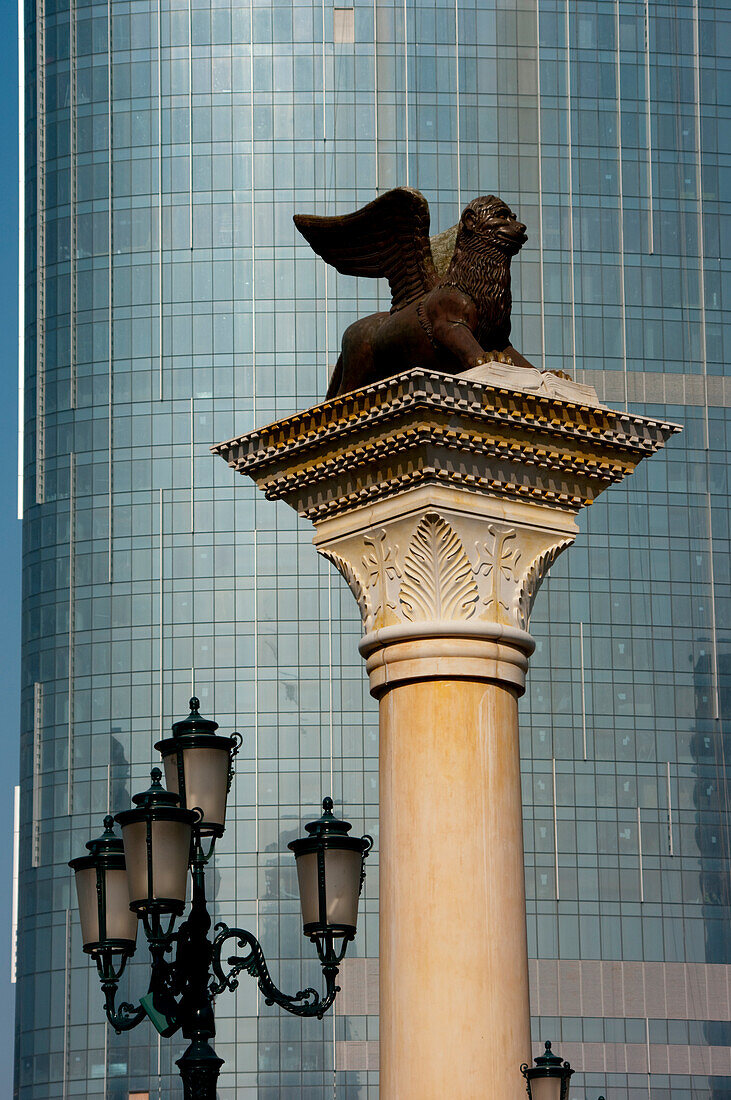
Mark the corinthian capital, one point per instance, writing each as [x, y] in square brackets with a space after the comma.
[448, 559]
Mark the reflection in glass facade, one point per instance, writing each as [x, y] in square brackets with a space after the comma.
[170, 304]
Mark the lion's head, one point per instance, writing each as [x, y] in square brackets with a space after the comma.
[489, 224]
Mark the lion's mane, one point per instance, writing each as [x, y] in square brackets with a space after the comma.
[480, 267]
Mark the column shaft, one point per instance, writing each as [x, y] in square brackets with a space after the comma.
[454, 963]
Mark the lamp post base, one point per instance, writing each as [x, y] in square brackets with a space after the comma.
[199, 1068]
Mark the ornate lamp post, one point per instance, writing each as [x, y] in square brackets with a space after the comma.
[549, 1078]
[144, 876]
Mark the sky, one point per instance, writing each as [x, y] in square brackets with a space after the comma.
[9, 524]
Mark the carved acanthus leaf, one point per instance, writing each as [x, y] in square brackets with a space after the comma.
[533, 580]
[354, 584]
[438, 582]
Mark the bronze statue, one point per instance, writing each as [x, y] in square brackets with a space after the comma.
[450, 293]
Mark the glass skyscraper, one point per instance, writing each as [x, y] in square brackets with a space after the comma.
[169, 304]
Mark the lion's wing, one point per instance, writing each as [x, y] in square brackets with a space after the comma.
[442, 249]
[388, 238]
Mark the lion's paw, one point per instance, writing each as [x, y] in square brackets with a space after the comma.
[498, 357]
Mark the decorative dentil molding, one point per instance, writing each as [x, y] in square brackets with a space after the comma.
[417, 568]
[426, 428]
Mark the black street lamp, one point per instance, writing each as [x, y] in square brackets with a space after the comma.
[157, 836]
[330, 873]
[108, 927]
[198, 768]
[549, 1078]
[144, 876]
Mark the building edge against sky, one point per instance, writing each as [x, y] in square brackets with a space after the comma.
[169, 304]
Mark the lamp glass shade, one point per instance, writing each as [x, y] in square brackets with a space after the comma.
[121, 924]
[307, 881]
[205, 771]
[88, 904]
[342, 887]
[170, 849]
[546, 1088]
[329, 874]
[197, 764]
[101, 888]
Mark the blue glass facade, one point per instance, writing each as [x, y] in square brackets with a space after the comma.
[170, 304]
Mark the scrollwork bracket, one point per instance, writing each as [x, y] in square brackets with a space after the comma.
[306, 1002]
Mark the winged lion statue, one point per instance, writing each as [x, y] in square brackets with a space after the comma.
[450, 293]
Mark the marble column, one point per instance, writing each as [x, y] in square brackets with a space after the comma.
[443, 502]
[445, 579]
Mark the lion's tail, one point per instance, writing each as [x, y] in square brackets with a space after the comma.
[336, 380]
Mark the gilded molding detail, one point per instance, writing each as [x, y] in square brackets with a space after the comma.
[426, 428]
